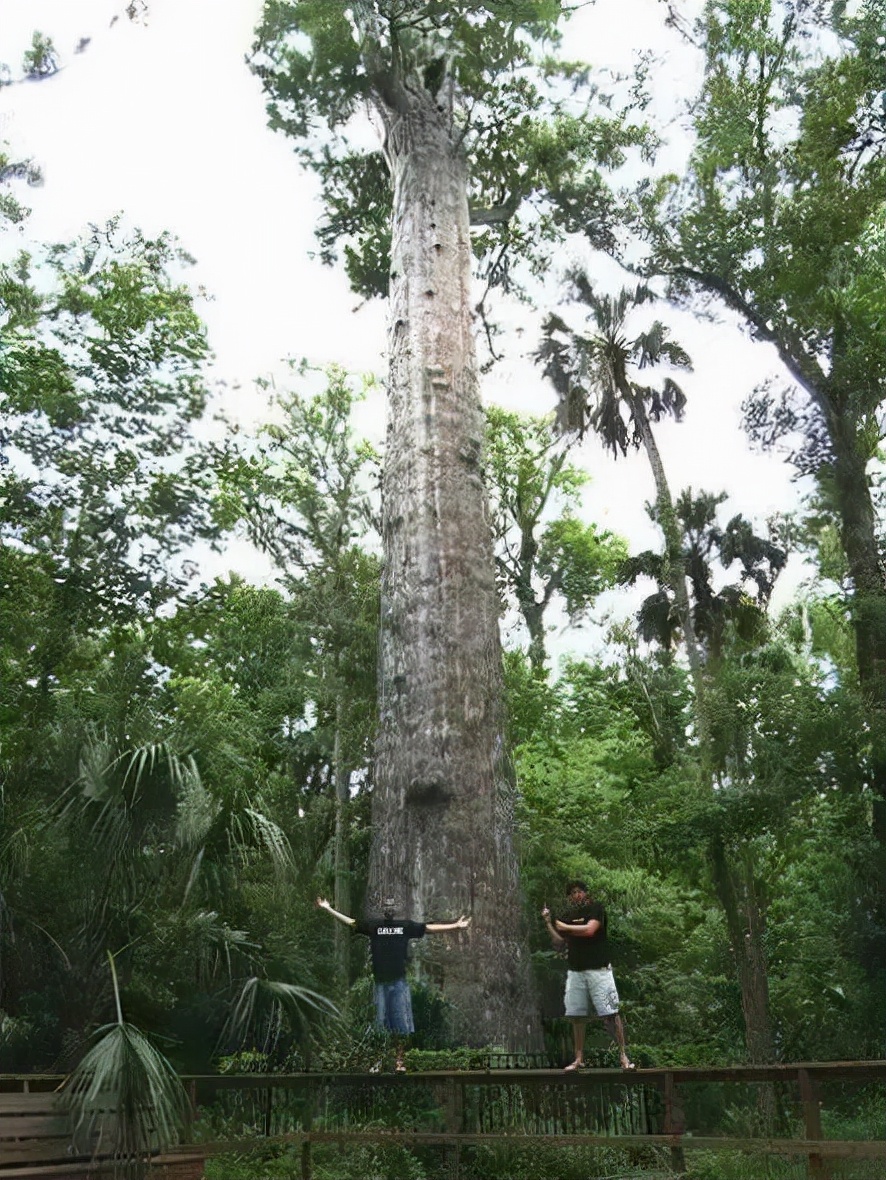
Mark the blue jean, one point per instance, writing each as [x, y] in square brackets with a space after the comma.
[393, 1007]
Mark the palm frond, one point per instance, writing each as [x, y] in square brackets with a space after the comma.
[255, 828]
[97, 759]
[124, 1096]
[213, 942]
[259, 1009]
[125, 1091]
[669, 400]
[196, 809]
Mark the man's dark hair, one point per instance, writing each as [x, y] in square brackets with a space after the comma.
[570, 885]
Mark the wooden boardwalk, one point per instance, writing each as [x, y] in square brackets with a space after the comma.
[674, 1110]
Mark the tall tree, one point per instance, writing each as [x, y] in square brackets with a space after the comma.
[595, 374]
[729, 623]
[540, 555]
[453, 93]
[779, 218]
[304, 493]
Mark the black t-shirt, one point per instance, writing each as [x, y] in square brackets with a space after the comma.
[585, 954]
[389, 944]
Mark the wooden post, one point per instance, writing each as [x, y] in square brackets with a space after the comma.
[674, 1120]
[454, 1114]
[192, 1105]
[269, 1107]
[818, 1167]
[307, 1123]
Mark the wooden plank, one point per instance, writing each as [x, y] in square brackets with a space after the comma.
[743, 1073]
[835, 1148]
[817, 1166]
[13, 1151]
[29, 1104]
[674, 1120]
[97, 1168]
[32, 1126]
[85, 1167]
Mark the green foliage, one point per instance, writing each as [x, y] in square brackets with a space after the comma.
[779, 217]
[104, 484]
[610, 794]
[305, 493]
[163, 814]
[41, 59]
[539, 555]
[124, 1074]
[11, 209]
[482, 69]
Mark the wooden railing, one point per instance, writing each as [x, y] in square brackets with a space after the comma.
[609, 1108]
[643, 1112]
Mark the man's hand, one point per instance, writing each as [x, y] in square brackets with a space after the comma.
[545, 912]
[323, 903]
[463, 922]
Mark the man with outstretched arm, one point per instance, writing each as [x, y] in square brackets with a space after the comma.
[589, 980]
[389, 943]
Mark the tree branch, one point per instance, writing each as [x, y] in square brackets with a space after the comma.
[802, 367]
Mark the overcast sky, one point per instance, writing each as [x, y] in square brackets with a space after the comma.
[159, 117]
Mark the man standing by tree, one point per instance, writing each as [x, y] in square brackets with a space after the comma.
[389, 944]
[589, 978]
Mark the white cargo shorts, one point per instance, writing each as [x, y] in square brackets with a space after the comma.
[593, 988]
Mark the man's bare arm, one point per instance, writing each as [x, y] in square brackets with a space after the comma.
[556, 939]
[461, 923]
[588, 930]
[323, 904]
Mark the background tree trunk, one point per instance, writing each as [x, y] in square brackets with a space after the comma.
[736, 890]
[443, 802]
[858, 532]
[341, 853]
[675, 571]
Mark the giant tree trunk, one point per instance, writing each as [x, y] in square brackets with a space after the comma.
[443, 801]
[858, 533]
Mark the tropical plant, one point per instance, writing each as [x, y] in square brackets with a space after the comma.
[124, 1097]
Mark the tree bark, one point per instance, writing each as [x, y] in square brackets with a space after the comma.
[443, 802]
[858, 533]
[341, 852]
[745, 923]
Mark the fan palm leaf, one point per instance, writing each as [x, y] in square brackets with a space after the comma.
[124, 1096]
[259, 1010]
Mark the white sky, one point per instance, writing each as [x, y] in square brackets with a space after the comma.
[161, 119]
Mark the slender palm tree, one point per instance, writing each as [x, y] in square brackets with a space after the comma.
[594, 374]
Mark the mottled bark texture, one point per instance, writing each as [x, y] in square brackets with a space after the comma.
[736, 888]
[443, 801]
[867, 570]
